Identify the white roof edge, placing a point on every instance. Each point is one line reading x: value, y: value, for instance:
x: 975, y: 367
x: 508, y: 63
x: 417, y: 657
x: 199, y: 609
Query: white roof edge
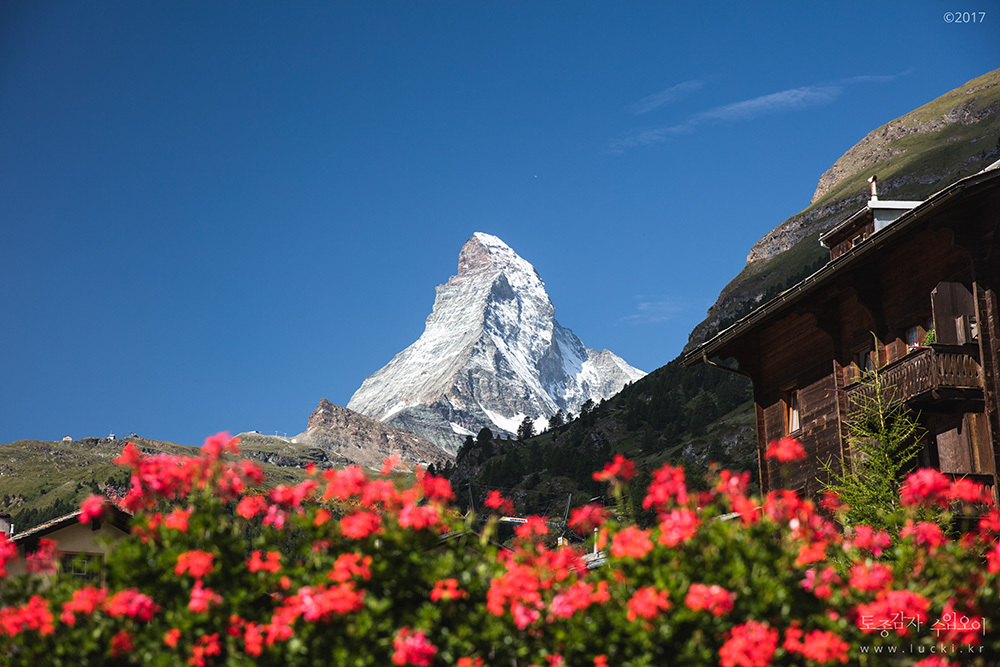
x: 893, y: 203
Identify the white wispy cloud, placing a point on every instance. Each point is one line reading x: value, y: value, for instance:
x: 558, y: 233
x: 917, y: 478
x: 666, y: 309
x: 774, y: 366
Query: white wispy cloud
x: 657, y: 100
x: 652, y: 309
x: 785, y: 100
x: 874, y: 78
x: 793, y: 99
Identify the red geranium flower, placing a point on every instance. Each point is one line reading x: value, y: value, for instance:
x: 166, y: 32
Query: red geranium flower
x: 502, y: 505
x: 715, y: 599
x: 411, y: 647
x: 749, y: 645
x: 816, y: 645
x: 786, y: 449
x: 197, y: 563
x: 678, y: 526
x: 360, y: 524
x: 92, y: 508
x: 619, y: 470
x: 585, y: 519
x: 647, y: 602
x: 632, y: 542
x: 925, y: 487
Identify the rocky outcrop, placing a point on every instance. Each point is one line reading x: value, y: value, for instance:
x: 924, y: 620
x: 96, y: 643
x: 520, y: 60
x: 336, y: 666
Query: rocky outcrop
x: 957, y: 107
x: 913, y: 156
x: 491, y: 354
x: 353, y: 437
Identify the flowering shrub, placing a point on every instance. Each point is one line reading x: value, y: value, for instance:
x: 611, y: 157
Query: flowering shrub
x: 349, y: 569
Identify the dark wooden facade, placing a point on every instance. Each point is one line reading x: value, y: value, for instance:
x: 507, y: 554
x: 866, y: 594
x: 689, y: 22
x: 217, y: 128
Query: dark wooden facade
x: 934, y: 269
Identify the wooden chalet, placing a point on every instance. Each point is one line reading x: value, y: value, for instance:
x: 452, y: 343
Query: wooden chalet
x: 910, y: 286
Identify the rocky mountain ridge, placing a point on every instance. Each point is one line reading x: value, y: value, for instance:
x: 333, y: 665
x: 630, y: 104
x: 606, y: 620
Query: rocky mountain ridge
x: 491, y: 354
x: 355, y: 438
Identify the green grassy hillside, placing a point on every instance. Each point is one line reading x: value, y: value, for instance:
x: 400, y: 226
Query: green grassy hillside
x: 41, y: 480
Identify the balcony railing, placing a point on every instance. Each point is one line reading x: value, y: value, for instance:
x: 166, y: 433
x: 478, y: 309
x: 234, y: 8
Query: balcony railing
x: 935, y: 372
x: 986, y: 479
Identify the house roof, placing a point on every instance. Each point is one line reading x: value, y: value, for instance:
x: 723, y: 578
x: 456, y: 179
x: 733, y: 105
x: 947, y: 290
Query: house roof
x: 116, y: 517
x: 777, y: 306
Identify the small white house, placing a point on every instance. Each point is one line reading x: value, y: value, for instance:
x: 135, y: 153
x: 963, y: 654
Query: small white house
x: 81, y: 546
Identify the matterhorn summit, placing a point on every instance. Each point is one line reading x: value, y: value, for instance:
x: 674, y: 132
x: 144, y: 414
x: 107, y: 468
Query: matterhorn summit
x: 491, y: 354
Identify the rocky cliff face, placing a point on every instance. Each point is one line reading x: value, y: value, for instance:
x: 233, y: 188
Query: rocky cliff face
x: 913, y: 156
x: 358, y: 439
x: 491, y: 354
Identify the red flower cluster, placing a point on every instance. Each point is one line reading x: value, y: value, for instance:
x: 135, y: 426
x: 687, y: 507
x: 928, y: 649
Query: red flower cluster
x: 170, y: 477
x: 925, y: 487
x: 715, y: 599
x: 668, y: 487
x: 85, y: 601
x: 202, y: 598
x: 786, y: 449
x: 870, y: 576
x: 866, y: 537
x: 587, y: 518
x: 197, y: 563
x: 411, y: 647
x: 678, y: 526
x: 8, y: 553
x: 751, y: 644
x: 893, y: 610
x: 647, y: 602
x: 272, y: 563
x: 631, y: 542
x: 34, y: 615
x: 620, y: 470
x: 533, y: 589
x: 817, y: 645
x: 360, y: 525
x: 496, y: 501
x: 205, y: 647
x: 178, y: 519
x: 447, y: 589
x: 43, y: 560
x: 530, y: 573
x: 350, y: 565
x: 92, y: 508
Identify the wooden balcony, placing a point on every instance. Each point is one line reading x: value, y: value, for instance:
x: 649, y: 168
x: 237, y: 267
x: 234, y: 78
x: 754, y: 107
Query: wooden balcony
x: 986, y: 479
x: 928, y: 374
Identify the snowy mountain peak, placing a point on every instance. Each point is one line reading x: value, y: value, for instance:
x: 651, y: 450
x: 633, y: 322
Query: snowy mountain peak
x: 491, y: 354
x: 487, y: 253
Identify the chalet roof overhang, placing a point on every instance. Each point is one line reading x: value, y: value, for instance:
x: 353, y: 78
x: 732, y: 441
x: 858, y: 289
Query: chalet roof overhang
x: 113, y: 515
x: 720, y: 345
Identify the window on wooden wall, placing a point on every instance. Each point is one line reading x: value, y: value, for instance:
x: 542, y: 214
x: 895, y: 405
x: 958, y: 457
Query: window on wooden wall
x: 792, y: 418
x: 82, y: 566
x: 914, y: 337
x: 862, y: 362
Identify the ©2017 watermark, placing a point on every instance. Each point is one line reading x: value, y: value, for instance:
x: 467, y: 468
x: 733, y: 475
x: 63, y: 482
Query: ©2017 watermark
x: 964, y: 17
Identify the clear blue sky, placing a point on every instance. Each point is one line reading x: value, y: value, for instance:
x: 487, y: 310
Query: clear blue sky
x: 213, y: 214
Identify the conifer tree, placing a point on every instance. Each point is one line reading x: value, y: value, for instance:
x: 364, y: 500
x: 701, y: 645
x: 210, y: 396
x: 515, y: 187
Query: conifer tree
x: 526, y: 429
x: 884, y: 437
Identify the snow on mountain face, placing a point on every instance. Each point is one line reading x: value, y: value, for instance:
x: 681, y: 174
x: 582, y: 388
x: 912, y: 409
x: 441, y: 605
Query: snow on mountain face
x: 491, y: 353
